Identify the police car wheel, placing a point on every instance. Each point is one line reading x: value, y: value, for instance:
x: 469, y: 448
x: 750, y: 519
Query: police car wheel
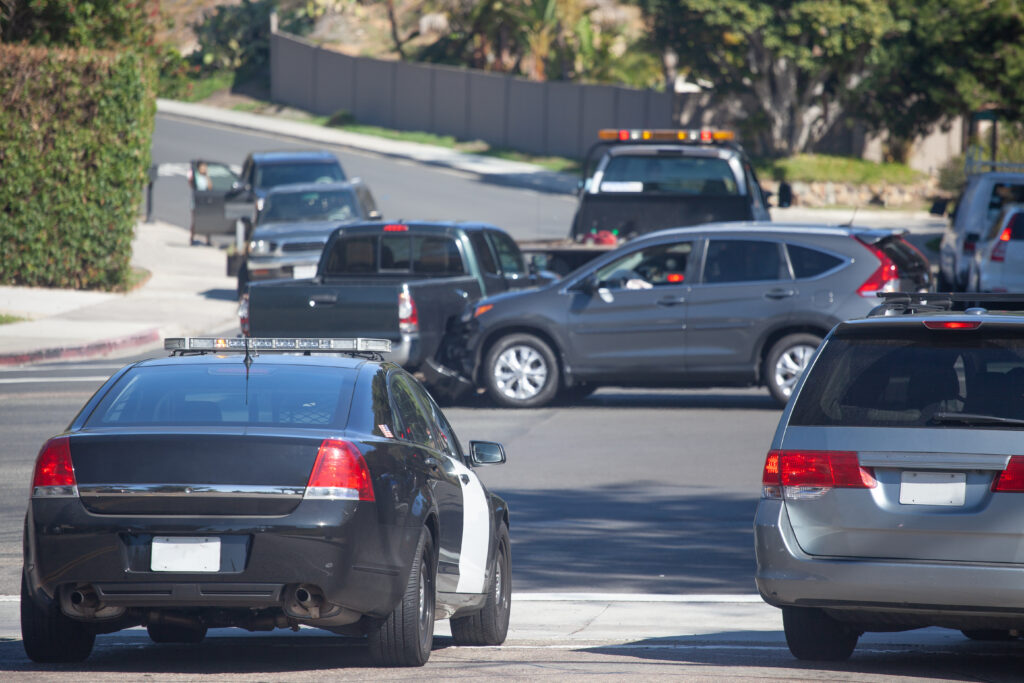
x: 520, y: 371
x: 406, y: 636
x: 489, y: 626
x: 786, y: 361
x: 48, y: 635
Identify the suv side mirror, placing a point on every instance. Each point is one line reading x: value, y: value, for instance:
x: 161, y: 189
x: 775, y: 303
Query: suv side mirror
x: 486, y: 453
x: 589, y: 284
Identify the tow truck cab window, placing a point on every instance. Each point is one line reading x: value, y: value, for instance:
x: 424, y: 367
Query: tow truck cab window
x: 670, y: 174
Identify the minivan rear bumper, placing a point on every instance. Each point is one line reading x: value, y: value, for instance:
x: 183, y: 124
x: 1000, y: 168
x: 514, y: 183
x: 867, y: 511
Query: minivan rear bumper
x: 929, y: 593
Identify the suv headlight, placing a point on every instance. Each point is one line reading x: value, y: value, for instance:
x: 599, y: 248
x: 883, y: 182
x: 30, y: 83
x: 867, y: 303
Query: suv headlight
x: 259, y: 247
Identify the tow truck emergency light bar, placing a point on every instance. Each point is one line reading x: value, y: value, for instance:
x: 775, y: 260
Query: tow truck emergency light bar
x: 666, y: 135
x: 279, y: 344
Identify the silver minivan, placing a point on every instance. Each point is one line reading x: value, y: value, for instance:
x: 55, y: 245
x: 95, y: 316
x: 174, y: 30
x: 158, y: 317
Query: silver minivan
x: 893, y: 491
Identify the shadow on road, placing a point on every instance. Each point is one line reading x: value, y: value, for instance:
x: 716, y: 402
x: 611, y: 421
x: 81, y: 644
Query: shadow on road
x: 221, y: 294
x: 616, y: 397
x: 631, y: 540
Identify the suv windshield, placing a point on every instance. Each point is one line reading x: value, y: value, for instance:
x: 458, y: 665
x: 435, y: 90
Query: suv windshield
x: 310, y: 206
x: 669, y: 175
x: 272, y: 175
x: 910, y: 377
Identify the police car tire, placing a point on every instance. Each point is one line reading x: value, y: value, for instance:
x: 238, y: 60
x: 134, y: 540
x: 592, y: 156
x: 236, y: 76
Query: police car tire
x: 49, y: 636
x: 813, y: 635
x: 489, y: 626
x: 406, y: 636
x: 551, y: 384
x: 175, y: 633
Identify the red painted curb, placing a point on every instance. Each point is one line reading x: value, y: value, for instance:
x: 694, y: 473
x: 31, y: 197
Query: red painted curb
x: 84, y: 351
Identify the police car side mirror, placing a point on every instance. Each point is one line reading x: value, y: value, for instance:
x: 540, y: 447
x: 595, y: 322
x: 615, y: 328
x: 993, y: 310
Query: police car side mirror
x: 486, y: 453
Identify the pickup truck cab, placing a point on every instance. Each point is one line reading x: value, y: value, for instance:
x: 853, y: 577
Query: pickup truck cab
x: 639, y: 181
x: 399, y: 281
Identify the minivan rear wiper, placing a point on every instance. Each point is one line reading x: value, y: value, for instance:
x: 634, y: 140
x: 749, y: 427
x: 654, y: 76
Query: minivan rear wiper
x: 974, y: 419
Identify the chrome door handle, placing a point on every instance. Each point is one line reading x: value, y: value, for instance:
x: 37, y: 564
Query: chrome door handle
x: 323, y: 300
x: 779, y: 293
x: 671, y: 300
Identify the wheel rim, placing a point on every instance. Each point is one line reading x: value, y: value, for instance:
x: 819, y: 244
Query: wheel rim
x: 520, y: 372
x: 791, y: 365
x: 501, y: 596
x: 426, y: 608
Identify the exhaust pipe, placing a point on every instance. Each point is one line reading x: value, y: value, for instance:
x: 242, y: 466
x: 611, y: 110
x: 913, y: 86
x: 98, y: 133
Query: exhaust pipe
x: 84, y: 599
x: 309, y: 599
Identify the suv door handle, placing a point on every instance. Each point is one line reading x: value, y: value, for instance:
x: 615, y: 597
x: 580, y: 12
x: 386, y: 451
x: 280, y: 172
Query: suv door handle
x: 323, y: 300
x: 671, y: 300
x: 779, y: 293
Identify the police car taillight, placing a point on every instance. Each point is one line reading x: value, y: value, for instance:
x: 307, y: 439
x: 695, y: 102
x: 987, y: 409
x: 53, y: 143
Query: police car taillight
x: 54, y: 475
x: 809, y: 474
x: 340, y: 473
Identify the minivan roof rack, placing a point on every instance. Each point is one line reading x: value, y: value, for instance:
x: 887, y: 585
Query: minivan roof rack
x: 939, y: 302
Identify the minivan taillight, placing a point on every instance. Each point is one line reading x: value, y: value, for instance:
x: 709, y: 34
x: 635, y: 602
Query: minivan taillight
x: 408, y: 317
x: 884, y: 278
x: 809, y: 474
x: 340, y: 473
x: 1012, y: 478
x: 999, y: 250
x: 54, y: 475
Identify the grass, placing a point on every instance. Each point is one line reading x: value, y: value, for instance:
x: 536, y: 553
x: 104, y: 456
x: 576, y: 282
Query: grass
x: 206, y: 86
x: 136, y: 278
x: 6, y: 319
x: 824, y: 167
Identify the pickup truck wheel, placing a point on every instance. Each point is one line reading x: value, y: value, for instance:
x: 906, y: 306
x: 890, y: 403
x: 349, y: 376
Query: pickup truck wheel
x: 521, y: 372
x: 786, y: 361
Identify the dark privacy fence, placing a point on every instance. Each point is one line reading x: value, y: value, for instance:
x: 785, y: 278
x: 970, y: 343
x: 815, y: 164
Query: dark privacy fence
x: 540, y: 118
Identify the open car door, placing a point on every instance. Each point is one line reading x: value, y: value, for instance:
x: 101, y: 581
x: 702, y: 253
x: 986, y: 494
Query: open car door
x: 210, y: 182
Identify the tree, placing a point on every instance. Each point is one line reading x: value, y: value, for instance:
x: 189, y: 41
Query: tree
x: 97, y: 23
x: 791, y: 61
x: 950, y: 57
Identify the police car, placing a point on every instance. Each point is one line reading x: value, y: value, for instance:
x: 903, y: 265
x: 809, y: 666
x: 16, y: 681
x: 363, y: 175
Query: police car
x: 238, y: 483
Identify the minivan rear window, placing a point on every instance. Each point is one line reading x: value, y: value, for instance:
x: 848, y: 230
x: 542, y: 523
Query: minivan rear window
x: 915, y: 378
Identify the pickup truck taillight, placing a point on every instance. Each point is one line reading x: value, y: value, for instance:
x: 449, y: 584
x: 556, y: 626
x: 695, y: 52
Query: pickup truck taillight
x: 408, y: 318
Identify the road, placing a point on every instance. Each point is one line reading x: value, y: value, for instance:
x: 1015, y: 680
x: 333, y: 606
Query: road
x: 648, y: 493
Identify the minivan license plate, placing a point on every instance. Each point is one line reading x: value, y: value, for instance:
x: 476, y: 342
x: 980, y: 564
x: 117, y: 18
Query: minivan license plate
x: 933, y: 488
x: 185, y: 554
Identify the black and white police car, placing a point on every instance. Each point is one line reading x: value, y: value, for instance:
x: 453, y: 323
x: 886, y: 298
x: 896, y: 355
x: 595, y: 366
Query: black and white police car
x: 231, y: 484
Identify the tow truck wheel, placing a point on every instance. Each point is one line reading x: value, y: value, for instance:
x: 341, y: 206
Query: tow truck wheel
x: 520, y: 371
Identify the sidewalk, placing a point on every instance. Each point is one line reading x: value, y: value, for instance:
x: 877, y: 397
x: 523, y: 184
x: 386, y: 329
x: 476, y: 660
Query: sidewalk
x: 187, y: 293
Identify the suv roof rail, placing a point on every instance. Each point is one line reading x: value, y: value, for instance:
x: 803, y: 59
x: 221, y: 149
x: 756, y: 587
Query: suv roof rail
x: 974, y: 164
x: 354, y: 346
x: 938, y: 302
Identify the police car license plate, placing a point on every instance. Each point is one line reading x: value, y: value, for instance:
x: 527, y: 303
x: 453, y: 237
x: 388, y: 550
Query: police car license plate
x: 933, y: 488
x: 178, y: 554
x: 302, y: 272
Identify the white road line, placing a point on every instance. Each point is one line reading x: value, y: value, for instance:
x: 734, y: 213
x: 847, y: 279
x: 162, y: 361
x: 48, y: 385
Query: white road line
x: 61, y: 368
x: 633, y: 597
x: 52, y: 380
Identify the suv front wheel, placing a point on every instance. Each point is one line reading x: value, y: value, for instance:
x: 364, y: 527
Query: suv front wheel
x: 520, y: 371
x: 786, y: 361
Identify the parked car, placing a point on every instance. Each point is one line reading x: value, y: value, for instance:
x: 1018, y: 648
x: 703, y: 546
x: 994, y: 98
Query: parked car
x: 716, y: 305
x: 978, y: 207
x: 647, y: 180
x: 233, y: 486
x: 893, y: 487
x: 399, y: 281
x: 998, y: 263
x: 229, y: 196
x: 292, y: 228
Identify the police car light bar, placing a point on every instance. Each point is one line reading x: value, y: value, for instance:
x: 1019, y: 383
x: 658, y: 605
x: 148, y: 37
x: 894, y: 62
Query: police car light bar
x: 279, y: 344
x: 665, y: 135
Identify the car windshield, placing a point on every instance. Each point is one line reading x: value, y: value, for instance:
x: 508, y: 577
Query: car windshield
x: 282, y: 395
x: 916, y: 378
x: 310, y: 206
x: 669, y: 175
x: 272, y: 175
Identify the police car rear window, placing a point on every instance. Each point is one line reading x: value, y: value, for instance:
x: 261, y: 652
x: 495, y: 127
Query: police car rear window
x: 177, y: 395
x: 669, y: 175
x: 916, y: 378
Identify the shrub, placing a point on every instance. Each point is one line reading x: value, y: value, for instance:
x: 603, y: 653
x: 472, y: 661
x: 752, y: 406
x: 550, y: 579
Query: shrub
x: 75, y: 129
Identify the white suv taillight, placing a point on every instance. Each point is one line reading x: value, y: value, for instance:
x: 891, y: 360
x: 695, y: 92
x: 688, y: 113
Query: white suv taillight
x: 408, y: 317
x: 54, y: 475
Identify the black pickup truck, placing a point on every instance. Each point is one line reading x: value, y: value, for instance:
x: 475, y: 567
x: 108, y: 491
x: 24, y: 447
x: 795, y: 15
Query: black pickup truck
x: 399, y: 281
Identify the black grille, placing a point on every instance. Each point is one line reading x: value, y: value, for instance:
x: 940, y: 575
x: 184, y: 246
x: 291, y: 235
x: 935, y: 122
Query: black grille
x: 302, y: 246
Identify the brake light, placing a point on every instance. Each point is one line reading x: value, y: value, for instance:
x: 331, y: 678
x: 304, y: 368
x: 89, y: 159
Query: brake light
x: 952, y: 324
x: 408, y: 317
x: 623, y: 135
x: 674, y: 278
x: 999, y: 250
x: 340, y: 473
x: 809, y: 474
x: 54, y: 474
x: 1011, y: 480
x: 706, y: 135
x: 884, y: 278
x: 396, y: 227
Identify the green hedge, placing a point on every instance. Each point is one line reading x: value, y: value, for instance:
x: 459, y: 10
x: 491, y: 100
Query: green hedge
x: 75, y: 130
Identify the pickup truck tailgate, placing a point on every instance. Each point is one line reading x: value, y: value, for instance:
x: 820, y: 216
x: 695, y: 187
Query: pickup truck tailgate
x: 305, y: 309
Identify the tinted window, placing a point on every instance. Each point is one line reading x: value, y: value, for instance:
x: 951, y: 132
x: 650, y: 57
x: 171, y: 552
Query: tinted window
x: 669, y: 175
x: 483, y: 253
x: 913, y: 378
x: 310, y: 206
x: 413, y: 424
x: 509, y: 256
x: 809, y: 262
x: 272, y: 175
x: 436, y: 255
x: 742, y: 261
x: 353, y: 256
x: 657, y: 266
x: 227, y: 394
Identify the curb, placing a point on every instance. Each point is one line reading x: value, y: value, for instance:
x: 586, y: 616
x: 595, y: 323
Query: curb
x: 83, y: 351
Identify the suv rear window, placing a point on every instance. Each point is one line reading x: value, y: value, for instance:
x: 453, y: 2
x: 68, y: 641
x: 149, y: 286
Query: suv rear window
x: 913, y: 377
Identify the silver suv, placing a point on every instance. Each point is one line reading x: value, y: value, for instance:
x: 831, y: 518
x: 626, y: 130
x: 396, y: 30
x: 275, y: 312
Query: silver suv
x: 893, y: 489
